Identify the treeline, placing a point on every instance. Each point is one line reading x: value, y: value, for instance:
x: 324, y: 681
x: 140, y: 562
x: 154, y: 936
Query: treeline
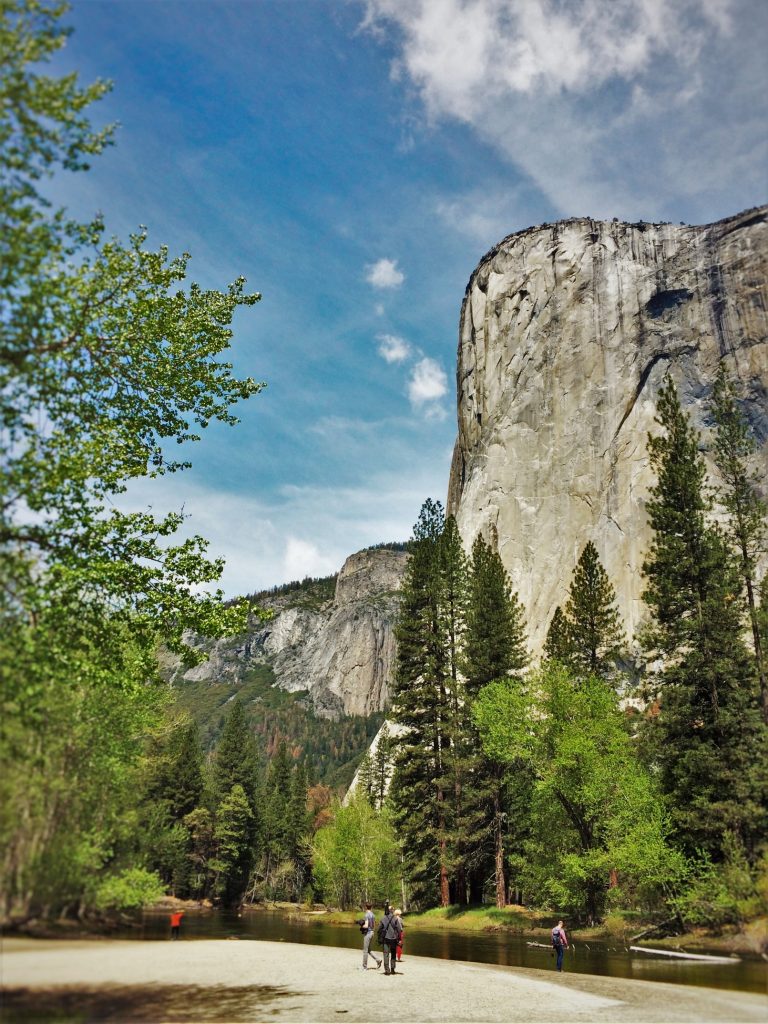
x: 539, y: 783
x: 226, y: 828
x: 315, y: 588
x: 330, y: 748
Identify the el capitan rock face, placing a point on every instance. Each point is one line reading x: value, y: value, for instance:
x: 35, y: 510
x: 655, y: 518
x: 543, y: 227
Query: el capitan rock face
x: 566, y: 333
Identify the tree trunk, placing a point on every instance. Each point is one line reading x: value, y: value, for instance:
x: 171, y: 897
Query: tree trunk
x: 501, y: 885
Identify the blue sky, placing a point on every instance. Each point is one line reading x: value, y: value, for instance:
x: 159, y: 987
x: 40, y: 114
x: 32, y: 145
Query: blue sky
x: 354, y: 160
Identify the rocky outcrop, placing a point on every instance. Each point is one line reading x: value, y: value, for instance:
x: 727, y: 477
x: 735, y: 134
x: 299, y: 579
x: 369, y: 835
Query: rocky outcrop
x: 340, y: 650
x: 566, y: 332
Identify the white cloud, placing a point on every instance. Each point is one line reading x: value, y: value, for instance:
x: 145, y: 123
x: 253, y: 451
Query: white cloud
x: 379, y: 309
x: 384, y: 274
x: 426, y: 386
x: 392, y: 348
x: 302, y: 558
x: 610, y: 107
x: 461, y: 51
x: 307, y: 530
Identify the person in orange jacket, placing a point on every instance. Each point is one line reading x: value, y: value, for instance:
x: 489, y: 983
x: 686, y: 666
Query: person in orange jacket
x: 176, y: 917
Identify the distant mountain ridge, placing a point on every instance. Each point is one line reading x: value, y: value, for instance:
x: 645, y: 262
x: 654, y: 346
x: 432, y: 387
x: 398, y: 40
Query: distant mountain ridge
x: 332, y: 638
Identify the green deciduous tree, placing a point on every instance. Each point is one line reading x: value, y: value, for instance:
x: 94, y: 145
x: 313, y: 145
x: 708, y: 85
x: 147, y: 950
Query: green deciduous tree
x: 108, y: 364
x: 356, y: 856
x: 708, y: 737
x: 597, y: 828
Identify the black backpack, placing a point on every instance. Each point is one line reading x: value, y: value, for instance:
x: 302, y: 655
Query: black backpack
x: 557, y: 937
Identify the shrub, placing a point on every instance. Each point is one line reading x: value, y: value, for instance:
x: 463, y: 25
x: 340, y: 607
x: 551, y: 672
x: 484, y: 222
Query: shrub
x: 130, y: 890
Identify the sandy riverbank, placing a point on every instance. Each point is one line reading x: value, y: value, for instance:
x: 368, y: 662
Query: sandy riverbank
x: 238, y: 981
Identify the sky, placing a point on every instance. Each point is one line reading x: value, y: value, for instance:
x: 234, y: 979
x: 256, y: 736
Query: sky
x: 354, y: 161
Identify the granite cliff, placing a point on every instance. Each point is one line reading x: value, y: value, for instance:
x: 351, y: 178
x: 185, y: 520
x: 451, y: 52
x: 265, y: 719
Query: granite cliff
x: 338, y: 646
x: 566, y: 332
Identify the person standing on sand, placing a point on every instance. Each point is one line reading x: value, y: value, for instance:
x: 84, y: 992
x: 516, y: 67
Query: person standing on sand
x: 389, y: 934
x: 559, y: 943
x: 399, y: 916
x: 366, y: 926
x: 176, y: 917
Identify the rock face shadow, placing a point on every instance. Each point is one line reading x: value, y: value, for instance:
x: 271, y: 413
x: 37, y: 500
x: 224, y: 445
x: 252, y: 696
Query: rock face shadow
x: 142, y: 1004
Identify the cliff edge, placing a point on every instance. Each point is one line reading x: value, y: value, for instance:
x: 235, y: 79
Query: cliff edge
x: 566, y: 332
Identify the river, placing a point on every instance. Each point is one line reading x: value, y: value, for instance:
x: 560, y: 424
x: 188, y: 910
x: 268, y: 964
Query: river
x: 602, y: 958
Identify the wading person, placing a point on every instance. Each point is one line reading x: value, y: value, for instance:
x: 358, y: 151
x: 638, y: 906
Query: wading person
x: 559, y: 943
x: 176, y: 923
x: 366, y: 927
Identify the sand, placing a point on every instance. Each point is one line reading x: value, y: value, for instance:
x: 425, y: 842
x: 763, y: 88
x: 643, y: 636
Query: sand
x: 245, y: 981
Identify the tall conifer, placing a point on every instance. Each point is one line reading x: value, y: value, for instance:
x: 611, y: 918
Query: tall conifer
x: 709, y: 739
x: 236, y: 760
x: 593, y: 632
x: 734, y: 447
x: 556, y: 643
x: 420, y: 703
x: 494, y: 649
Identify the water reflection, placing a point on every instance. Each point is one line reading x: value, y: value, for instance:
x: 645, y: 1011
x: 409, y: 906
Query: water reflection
x: 480, y: 947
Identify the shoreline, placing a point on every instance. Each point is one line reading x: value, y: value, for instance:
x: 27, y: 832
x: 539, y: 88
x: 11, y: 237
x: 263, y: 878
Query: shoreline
x: 222, y: 980
x: 526, y: 924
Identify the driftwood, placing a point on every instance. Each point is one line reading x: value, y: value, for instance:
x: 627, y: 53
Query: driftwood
x: 653, y: 928
x: 686, y: 956
x: 540, y: 945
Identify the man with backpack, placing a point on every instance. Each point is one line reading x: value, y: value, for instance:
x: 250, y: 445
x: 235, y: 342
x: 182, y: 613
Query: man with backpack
x: 559, y: 943
x: 390, y: 929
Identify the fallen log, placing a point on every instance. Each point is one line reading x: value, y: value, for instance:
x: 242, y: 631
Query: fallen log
x: 686, y: 956
x: 540, y: 945
x: 653, y: 928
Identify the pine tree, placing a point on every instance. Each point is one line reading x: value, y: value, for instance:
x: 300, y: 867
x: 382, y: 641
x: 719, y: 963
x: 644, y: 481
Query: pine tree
x: 381, y: 768
x: 460, y: 748
x: 593, y: 631
x: 234, y: 849
x: 279, y: 779
x: 420, y: 703
x: 366, y: 779
x: 494, y: 649
x: 298, y: 830
x: 495, y: 634
x: 237, y: 760
x: 734, y: 447
x: 187, y: 759
x: 708, y: 737
x: 556, y: 644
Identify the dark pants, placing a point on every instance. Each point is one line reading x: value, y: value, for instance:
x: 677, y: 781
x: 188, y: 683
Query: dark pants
x: 174, y: 931
x: 390, y: 954
x: 559, y: 949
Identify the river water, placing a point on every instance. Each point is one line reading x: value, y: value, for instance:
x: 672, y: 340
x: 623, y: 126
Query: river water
x: 602, y: 958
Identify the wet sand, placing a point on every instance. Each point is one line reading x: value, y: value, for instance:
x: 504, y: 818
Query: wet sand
x: 240, y: 981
